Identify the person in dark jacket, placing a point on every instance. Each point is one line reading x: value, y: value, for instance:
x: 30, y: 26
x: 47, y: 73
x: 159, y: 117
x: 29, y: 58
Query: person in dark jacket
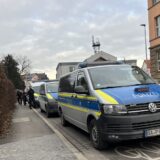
x: 31, y: 98
x: 19, y: 97
x: 24, y: 98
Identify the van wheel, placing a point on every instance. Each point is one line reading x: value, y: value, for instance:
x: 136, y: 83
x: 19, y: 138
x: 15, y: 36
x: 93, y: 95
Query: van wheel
x: 41, y: 110
x: 96, y: 136
x: 63, y: 121
x: 47, y: 112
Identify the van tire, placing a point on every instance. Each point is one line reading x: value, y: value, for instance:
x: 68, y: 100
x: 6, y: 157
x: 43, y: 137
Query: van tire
x: 48, y: 113
x: 95, y: 136
x: 41, y: 110
x: 63, y: 121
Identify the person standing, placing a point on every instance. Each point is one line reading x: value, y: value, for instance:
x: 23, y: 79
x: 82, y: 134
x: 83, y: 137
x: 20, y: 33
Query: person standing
x: 24, y: 98
x: 31, y: 98
x: 19, y: 97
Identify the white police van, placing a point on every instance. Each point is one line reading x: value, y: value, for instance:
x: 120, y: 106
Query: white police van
x: 111, y: 101
x: 48, y: 97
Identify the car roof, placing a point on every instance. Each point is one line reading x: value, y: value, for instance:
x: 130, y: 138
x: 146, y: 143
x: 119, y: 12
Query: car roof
x: 34, y: 84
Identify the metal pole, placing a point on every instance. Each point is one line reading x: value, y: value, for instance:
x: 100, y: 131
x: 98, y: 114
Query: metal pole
x: 145, y: 39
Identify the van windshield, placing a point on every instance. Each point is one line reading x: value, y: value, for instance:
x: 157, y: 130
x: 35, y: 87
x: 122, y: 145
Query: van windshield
x: 52, y: 87
x: 118, y: 76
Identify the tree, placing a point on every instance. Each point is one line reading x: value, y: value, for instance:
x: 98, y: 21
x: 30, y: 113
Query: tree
x: 24, y: 65
x: 12, y: 71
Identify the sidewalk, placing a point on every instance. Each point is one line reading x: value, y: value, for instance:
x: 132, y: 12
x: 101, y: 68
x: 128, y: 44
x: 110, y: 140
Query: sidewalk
x: 31, y: 139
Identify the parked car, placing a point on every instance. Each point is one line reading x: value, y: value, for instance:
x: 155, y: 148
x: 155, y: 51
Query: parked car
x: 48, y: 97
x: 111, y: 101
x: 36, y: 87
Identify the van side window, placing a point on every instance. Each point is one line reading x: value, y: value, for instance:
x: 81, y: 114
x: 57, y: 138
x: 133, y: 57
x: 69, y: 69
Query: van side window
x: 67, y: 83
x: 81, y: 81
x: 42, y: 89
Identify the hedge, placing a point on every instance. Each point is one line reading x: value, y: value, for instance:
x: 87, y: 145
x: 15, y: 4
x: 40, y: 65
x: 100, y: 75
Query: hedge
x: 7, y: 102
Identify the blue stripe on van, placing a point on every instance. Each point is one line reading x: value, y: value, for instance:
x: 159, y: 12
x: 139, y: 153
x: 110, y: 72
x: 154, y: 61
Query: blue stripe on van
x: 93, y: 105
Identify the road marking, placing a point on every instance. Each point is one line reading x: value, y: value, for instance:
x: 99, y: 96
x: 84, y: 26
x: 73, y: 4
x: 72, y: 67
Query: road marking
x: 74, y: 150
x: 140, y: 152
x: 19, y: 120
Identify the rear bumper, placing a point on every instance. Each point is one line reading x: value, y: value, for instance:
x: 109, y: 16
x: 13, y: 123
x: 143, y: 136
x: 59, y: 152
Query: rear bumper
x: 117, y: 128
x: 53, y: 107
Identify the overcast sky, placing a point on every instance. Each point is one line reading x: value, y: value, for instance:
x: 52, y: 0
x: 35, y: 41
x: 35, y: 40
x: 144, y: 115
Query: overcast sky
x: 53, y: 31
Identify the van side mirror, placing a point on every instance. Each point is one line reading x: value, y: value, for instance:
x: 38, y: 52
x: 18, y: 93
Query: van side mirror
x: 81, y: 90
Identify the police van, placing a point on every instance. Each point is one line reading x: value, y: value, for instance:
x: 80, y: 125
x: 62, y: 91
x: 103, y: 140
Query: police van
x: 111, y: 101
x: 48, y: 97
x: 36, y: 86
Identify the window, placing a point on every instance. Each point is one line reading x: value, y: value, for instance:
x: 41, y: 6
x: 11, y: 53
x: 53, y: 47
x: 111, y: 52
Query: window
x: 52, y: 87
x: 158, y: 59
x: 158, y: 26
x: 155, y: 1
x: 111, y: 76
x: 67, y: 83
x: 42, y: 89
x: 81, y: 81
x: 71, y: 68
x: 36, y: 89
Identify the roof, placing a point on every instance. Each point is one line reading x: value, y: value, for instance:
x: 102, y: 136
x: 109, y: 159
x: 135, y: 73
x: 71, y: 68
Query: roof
x: 33, y: 84
x: 41, y: 76
x: 84, y: 64
x: 66, y: 63
x: 101, y: 55
x: 54, y: 80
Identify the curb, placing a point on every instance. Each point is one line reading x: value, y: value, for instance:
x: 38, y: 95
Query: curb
x: 74, y: 150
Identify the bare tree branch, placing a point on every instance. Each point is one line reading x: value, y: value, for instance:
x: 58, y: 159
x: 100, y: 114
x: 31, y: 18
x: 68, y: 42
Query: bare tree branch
x: 24, y: 65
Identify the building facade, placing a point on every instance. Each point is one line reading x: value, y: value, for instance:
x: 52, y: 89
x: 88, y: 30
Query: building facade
x: 65, y: 67
x: 147, y: 66
x: 154, y: 33
x: 33, y: 77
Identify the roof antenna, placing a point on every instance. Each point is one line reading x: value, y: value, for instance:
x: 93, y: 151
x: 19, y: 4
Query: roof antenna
x: 96, y: 45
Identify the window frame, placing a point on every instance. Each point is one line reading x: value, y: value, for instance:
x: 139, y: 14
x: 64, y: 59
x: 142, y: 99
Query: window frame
x: 61, y: 88
x: 158, y: 59
x: 154, y: 2
x: 42, y: 88
x: 78, y: 73
x: 157, y: 26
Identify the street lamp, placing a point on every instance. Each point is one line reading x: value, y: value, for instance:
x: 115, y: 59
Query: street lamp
x: 145, y: 39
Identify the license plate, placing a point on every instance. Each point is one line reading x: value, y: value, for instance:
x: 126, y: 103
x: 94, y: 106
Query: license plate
x: 152, y: 132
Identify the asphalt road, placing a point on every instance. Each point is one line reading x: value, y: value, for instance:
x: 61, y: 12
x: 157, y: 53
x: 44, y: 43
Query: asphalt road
x: 148, y: 149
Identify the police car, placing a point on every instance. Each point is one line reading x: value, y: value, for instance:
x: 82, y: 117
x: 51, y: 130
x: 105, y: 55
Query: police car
x: 111, y: 101
x: 48, y: 97
x: 36, y: 86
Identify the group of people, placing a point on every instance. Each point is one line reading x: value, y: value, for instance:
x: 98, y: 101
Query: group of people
x: 24, y: 97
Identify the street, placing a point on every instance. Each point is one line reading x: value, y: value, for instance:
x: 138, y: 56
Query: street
x: 80, y: 80
x: 148, y: 149
x: 32, y: 136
